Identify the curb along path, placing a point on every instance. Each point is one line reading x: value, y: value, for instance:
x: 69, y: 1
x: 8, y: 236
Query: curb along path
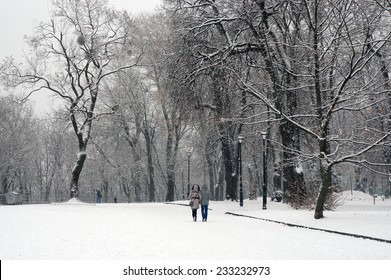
x: 312, y: 228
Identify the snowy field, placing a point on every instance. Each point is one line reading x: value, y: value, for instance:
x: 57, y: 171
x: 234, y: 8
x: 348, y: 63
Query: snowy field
x: 159, y: 231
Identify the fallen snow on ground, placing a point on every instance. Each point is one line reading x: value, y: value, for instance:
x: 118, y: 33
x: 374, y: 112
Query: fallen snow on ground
x: 159, y: 231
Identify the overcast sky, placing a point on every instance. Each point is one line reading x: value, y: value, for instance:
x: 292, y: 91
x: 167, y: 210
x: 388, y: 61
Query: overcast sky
x: 17, y: 17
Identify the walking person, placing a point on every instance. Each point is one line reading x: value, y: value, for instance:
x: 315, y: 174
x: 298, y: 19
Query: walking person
x: 195, y: 197
x: 98, y: 196
x: 204, y: 203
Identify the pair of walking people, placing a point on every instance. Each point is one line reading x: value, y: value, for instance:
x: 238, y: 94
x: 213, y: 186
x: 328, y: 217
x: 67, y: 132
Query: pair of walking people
x: 199, y: 197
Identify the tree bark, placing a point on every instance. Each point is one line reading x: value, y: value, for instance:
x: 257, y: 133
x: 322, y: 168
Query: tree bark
x: 76, y: 171
x: 210, y: 171
x: 324, y: 190
x: 172, y: 119
x: 294, y: 186
x: 148, y: 135
x: 222, y: 105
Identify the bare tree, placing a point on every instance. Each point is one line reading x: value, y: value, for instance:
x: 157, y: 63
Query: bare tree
x: 311, y: 64
x: 17, y: 145
x: 84, y: 43
x: 335, y: 80
x: 160, y: 82
x: 386, y: 81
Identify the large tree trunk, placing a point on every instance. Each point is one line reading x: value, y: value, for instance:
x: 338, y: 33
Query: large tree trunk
x: 48, y: 186
x: 324, y: 190
x: 222, y: 105
x: 210, y: 171
x: 386, y: 122
x: 171, y: 151
x: 125, y: 187
x: 231, y: 178
x: 133, y: 141
x: 136, y: 174
x: 293, y: 184
x: 148, y: 133
x: 325, y: 172
x: 105, y: 189
x: 284, y: 101
x: 76, y: 171
x: 219, y: 192
x: 83, y: 135
x: 170, y: 196
x: 151, y: 169
x: 170, y: 163
x: 252, y: 182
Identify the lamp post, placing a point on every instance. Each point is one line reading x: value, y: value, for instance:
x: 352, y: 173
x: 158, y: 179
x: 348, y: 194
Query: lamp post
x: 188, y: 171
x: 240, y: 139
x: 183, y: 185
x: 264, y: 185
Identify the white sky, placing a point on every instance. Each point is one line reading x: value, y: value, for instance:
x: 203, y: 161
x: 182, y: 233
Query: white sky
x: 17, y: 17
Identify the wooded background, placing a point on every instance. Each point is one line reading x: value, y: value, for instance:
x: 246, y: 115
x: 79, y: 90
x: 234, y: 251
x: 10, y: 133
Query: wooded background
x: 142, y: 97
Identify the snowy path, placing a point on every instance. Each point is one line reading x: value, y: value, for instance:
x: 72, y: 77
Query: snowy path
x: 166, y: 232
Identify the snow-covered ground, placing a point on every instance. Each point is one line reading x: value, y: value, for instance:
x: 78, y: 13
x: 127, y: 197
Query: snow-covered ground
x: 159, y: 231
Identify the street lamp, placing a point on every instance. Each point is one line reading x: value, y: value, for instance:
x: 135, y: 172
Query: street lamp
x: 240, y: 139
x: 188, y: 171
x: 264, y: 186
x: 183, y: 185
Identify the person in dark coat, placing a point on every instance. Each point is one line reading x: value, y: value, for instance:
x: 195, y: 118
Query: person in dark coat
x: 98, y: 196
x: 195, y: 196
x: 204, y: 203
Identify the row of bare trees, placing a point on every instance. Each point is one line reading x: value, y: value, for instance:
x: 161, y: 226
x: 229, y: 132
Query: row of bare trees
x: 138, y: 93
x: 108, y: 69
x: 314, y: 74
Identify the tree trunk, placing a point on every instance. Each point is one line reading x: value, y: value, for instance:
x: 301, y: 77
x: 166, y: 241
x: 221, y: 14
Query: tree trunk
x: 323, y: 122
x: 171, y: 155
x: 222, y: 104
x: 170, y: 196
x: 151, y: 171
x: 125, y: 187
x: 5, y: 182
x: 284, y: 101
x: 252, y: 183
x: 324, y: 190
x: 210, y: 172
x: 219, y: 192
x: 136, y: 174
x: 76, y: 171
x: 386, y: 122
x: 293, y: 184
x: 105, y: 189
x: 231, y: 177
x: 170, y: 160
x: 48, y: 187
x: 148, y: 133
x: 276, y: 155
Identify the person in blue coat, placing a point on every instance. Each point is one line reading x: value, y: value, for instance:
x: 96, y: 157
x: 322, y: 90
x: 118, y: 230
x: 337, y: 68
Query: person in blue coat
x: 98, y: 196
x: 204, y: 203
